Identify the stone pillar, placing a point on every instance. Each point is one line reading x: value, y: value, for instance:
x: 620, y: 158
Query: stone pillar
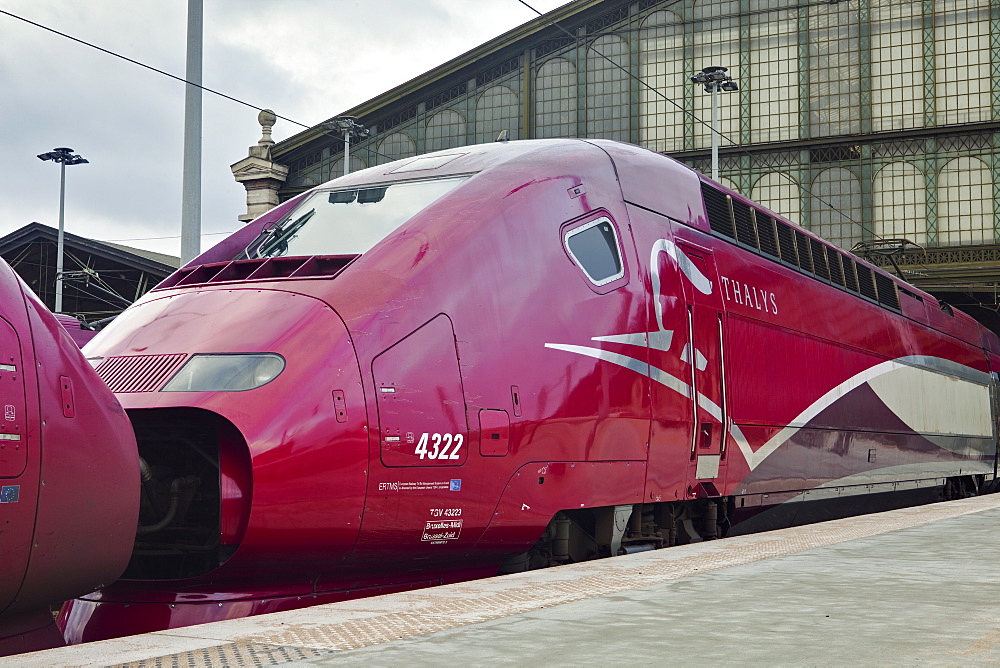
x: 258, y: 174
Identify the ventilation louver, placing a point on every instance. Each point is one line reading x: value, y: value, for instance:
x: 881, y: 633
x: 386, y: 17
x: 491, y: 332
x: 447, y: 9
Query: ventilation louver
x: 786, y: 239
x: 717, y: 207
x: 745, y: 232
x: 317, y: 266
x: 805, y: 259
x: 850, y: 278
x: 866, y: 281
x: 765, y: 234
x: 836, y: 268
x: 138, y: 373
x: 886, y: 288
x: 819, y: 259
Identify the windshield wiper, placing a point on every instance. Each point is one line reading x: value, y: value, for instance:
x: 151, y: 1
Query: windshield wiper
x: 276, y: 238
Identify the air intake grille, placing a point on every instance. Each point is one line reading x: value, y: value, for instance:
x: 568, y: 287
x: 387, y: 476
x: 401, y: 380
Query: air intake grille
x: 802, y: 241
x: 717, y: 208
x: 138, y: 373
x: 786, y: 237
x: 850, y: 278
x: 866, y: 281
x: 269, y: 269
x: 886, y: 291
x: 765, y: 233
x: 836, y: 270
x: 819, y: 259
x: 745, y: 232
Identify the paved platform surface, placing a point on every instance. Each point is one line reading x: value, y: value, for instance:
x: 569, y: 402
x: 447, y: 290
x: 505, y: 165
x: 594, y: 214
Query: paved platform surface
x: 913, y: 586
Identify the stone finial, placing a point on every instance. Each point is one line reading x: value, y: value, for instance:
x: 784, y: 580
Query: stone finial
x: 258, y: 173
x: 267, y: 119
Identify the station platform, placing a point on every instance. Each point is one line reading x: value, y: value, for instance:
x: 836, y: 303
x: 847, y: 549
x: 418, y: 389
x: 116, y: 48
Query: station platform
x: 913, y: 586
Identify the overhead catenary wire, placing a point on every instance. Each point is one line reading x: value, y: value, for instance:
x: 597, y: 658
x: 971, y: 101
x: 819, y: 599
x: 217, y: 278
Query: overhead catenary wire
x: 142, y: 64
x: 326, y: 130
x: 573, y: 36
x: 118, y: 277
x: 693, y: 116
x: 22, y: 260
x: 168, y: 74
x: 174, y: 236
x: 781, y: 174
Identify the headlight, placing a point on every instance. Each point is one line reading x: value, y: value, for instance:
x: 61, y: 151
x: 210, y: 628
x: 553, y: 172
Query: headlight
x: 226, y: 373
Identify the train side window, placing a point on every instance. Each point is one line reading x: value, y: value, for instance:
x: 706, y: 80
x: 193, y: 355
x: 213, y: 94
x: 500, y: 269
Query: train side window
x: 594, y: 248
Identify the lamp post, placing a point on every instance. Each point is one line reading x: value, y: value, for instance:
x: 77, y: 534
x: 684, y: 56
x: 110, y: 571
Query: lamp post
x: 64, y: 156
x: 715, y: 79
x: 351, y: 128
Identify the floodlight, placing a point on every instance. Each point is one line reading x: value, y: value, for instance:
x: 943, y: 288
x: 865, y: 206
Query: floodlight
x: 64, y: 156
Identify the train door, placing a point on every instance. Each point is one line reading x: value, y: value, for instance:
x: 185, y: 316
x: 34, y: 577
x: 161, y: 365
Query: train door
x: 13, y: 450
x: 994, y: 363
x: 419, y: 497
x: 704, y: 356
x: 18, y: 483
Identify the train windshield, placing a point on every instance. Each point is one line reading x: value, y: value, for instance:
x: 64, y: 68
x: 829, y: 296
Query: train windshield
x: 348, y: 222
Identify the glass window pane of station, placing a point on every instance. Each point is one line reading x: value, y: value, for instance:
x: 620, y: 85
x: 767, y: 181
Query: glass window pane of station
x: 962, y: 61
x: 897, y: 65
x: 396, y: 146
x: 780, y: 193
x: 607, y: 88
x: 661, y: 69
x: 900, y: 192
x: 555, y: 99
x: 445, y: 129
x: 834, y: 70
x: 835, y: 207
x: 497, y: 109
x: 717, y: 44
x: 965, y: 211
x: 774, y: 65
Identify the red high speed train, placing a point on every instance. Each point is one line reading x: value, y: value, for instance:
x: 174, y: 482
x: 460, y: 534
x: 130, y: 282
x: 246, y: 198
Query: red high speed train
x: 69, y: 476
x: 514, y: 355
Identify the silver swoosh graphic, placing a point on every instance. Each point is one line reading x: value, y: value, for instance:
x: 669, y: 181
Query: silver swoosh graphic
x: 687, y: 267
x: 800, y: 421
x: 665, y: 379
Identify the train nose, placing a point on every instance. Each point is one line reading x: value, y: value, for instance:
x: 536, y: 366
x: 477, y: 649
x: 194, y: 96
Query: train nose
x: 244, y: 402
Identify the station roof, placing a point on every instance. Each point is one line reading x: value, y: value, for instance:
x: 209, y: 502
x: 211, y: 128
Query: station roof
x: 100, y: 278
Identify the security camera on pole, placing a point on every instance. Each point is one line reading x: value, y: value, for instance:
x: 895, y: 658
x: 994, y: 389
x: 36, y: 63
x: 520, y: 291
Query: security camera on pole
x: 714, y: 79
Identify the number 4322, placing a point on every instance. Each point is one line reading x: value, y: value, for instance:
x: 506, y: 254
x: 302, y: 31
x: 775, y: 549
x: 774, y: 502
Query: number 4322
x: 439, y: 446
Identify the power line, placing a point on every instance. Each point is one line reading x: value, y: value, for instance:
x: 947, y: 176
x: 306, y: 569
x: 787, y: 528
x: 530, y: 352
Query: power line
x: 115, y: 54
x: 141, y: 64
x: 629, y: 74
x: 745, y: 152
x: 378, y: 153
x: 175, y: 236
x: 109, y: 270
x: 694, y: 117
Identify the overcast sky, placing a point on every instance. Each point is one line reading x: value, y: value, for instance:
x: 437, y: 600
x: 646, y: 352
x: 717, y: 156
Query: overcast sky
x: 306, y: 60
